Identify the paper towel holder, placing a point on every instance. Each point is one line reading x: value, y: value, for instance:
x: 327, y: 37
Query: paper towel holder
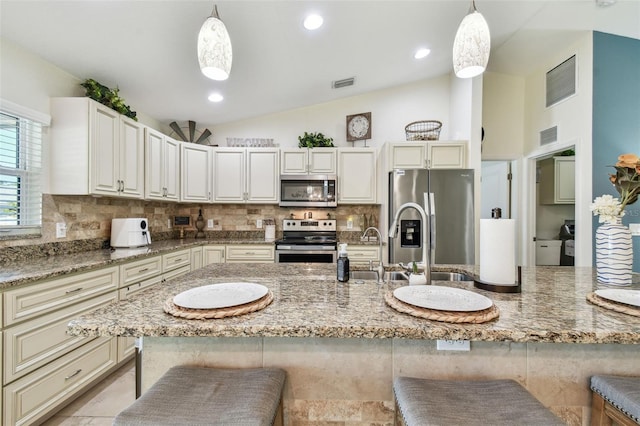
x: 501, y: 288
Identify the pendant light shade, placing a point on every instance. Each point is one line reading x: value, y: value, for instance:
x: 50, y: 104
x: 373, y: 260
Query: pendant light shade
x: 214, y: 48
x: 472, y: 45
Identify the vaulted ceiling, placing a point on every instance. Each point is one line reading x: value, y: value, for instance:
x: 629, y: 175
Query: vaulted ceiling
x: 148, y: 48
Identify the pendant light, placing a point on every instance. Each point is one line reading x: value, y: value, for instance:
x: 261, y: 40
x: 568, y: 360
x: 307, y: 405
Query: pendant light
x: 472, y: 45
x: 214, y: 48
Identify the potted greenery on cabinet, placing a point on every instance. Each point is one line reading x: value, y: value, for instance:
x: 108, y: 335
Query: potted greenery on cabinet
x: 312, y: 140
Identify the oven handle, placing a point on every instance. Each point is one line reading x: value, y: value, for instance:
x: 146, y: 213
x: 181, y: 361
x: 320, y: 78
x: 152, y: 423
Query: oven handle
x: 307, y: 248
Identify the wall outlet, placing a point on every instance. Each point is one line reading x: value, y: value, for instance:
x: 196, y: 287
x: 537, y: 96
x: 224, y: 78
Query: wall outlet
x: 258, y: 223
x: 61, y: 230
x: 635, y: 229
x: 210, y: 223
x: 349, y: 223
x: 169, y: 223
x: 453, y: 345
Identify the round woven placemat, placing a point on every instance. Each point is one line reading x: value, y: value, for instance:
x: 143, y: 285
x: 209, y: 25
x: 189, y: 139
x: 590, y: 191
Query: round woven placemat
x: 614, y: 306
x: 232, y: 311
x: 475, y: 317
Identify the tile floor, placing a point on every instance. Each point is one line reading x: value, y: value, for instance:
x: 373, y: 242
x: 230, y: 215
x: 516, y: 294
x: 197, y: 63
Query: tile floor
x: 100, y: 404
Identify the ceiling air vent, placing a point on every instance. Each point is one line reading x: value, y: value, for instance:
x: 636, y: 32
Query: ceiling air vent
x: 343, y: 83
x: 561, y: 82
x: 549, y: 135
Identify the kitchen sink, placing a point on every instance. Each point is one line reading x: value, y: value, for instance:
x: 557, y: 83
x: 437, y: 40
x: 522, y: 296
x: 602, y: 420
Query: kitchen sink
x: 403, y: 276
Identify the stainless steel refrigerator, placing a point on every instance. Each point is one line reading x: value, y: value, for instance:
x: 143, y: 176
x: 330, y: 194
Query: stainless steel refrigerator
x: 452, y: 218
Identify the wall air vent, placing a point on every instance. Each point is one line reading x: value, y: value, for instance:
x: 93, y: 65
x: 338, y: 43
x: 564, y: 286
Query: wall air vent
x: 549, y: 135
x: 561, y: 82
x: 343, y: 83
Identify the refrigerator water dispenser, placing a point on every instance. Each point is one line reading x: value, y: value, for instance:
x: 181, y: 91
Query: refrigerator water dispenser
x: 410, y: 236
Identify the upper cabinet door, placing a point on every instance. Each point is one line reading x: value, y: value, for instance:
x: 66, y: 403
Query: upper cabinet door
x: 357, y: 175
x: 262, y: 178
x: 408, y: 155
x: 104, y: 150
x: 447, y: 155
x: 131, y: 158
x: 322, y: 161
x: 154, y: 165
x: 229, y: 175
x: 294, y: 161
x: 171, y: 162
x: 196, y: 162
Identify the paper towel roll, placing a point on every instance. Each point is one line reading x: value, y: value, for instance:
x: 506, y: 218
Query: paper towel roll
x: 497, y: 251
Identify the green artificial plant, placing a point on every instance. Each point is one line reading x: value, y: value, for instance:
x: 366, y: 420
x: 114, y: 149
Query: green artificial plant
x: 108, y: 97
x: 312, y: 140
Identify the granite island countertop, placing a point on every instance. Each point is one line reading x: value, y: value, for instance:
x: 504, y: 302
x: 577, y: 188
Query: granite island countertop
x: 309, y: 302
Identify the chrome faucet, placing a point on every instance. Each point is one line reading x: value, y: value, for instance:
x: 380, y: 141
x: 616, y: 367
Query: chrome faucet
x: 380, y: 269
x: 426, y: 247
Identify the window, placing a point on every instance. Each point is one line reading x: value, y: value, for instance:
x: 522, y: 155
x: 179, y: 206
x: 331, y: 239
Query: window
x: 20, y: 175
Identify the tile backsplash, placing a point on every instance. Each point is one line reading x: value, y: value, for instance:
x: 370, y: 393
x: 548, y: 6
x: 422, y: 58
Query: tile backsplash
x: 89, y: 218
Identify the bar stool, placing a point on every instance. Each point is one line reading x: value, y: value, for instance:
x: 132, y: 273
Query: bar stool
x: 208, y: 396
x: 615, y: 399
x: 467, y: 402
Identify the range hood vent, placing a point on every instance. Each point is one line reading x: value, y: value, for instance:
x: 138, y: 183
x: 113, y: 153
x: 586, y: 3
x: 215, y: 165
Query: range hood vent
x: 549, y: 135
x: 337, y: 84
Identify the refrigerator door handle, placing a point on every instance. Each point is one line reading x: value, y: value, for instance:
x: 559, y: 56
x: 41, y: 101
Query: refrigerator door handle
x: 432, y: 223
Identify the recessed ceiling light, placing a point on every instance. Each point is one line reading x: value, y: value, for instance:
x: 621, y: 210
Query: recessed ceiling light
x: 421, y: 53
x: 313, y: 22
x: 215, y: 97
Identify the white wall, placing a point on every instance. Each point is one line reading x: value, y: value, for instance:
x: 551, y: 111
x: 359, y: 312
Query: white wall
x: 391, y: 110
x: 573, y: 118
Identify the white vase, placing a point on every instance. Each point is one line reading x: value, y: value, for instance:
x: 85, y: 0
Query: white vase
x: 614, y: 254
x: 417, y: 279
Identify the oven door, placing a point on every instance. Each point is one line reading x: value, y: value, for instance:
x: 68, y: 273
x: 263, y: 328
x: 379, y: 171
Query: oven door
x: 305, y: 256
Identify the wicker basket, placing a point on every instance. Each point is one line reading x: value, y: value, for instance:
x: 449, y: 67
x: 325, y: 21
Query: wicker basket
x: 427, y: 130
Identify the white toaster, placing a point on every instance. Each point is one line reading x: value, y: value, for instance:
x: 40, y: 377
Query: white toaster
x: 130, y: 232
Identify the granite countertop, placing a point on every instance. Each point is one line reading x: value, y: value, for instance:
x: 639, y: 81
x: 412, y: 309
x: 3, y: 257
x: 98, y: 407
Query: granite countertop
x: 309, y: 302
x: 26, y: 271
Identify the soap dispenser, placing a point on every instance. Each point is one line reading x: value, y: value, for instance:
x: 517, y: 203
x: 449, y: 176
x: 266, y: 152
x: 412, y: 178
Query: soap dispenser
x: 343, y: 263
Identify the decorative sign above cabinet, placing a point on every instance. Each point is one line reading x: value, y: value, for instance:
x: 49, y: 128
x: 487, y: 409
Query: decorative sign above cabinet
x: 359, y: 126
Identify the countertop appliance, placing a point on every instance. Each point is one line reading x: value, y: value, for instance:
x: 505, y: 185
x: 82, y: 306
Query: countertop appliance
x: 307, y: 240
x: 130, y: 232
x: 450, y: 194
x: 567, y: 250
x: 308, y: 191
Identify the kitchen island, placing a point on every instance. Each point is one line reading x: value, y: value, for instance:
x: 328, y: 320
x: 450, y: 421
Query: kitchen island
x: 341, y: 345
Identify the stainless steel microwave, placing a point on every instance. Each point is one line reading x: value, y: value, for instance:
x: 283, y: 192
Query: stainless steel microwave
x: 308, y: 191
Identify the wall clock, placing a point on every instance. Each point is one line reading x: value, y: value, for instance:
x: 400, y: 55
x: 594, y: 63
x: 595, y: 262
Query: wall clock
x: 359, y: 126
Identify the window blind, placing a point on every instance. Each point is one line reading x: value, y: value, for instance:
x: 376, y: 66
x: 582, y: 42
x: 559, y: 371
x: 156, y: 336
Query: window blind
x: 20, y: 175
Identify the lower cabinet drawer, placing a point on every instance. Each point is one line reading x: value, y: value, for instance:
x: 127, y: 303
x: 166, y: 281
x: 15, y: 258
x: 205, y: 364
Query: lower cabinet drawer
x: 34, y: 343
x: 34, y: 396
x: 175, y: 260
x: 363, y: 254
x: 176, y: 272
x: 251, y: 253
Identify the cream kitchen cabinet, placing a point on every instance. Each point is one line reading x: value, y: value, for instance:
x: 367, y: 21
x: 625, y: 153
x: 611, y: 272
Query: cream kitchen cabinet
x: 357, y: 175
x: 31, y: 398
x: 213, y: 254
x: 256, y: 253
x: 246, y: 175
x: 302, y: 161
x: 162, y: 167
x: 431, y: 155
x: 361, y: 253
x: 176, y: 263
x: 95, y: 150
x: 197, y: 172
x: 44, y: 367
x: 196, y: 258
x: 557, y: 180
